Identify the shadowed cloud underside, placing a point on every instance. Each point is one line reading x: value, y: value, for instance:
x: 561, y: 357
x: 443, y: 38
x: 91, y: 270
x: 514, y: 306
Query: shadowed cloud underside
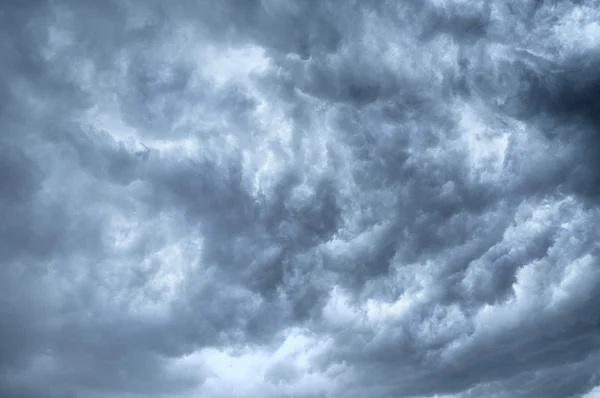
x: 296, y: 198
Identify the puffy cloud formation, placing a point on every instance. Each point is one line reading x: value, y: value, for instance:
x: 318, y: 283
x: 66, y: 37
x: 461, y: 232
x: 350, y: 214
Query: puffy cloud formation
x: 297, y: 198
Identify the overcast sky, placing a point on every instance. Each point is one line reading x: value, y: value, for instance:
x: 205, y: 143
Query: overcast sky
x: 299, y: 199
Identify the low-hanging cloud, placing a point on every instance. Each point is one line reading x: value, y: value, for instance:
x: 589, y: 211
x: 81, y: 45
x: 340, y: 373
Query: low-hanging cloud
x: 299, y: 199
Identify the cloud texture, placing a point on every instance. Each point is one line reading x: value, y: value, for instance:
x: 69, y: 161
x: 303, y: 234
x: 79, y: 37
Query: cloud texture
x: 296, y: 198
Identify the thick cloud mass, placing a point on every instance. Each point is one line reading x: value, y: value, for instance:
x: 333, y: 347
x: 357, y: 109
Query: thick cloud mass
x: 296, y: 198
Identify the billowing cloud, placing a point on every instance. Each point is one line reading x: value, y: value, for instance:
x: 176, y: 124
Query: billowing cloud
x: 300, y: 199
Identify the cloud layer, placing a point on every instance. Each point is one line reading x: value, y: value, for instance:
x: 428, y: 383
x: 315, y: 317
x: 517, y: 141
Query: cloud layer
x: 277, y: 198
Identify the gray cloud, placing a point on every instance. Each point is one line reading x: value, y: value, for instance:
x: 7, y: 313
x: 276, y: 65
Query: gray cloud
x: 299, y: 199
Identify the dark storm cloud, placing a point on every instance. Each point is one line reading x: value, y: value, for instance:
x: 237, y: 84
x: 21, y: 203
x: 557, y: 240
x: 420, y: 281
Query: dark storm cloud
x: 297, y: 198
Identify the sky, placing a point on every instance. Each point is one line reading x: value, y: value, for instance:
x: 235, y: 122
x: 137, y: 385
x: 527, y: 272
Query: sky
x: 300, y: 199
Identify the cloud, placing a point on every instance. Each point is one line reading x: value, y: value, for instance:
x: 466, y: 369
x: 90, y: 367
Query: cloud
x: 296, y: 198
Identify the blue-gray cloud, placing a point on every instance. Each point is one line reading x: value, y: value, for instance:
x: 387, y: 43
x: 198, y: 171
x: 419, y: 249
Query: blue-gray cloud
x: 298, y: 198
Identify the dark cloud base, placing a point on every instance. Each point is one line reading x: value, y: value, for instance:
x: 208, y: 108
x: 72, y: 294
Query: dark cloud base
x: 300, y: 199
